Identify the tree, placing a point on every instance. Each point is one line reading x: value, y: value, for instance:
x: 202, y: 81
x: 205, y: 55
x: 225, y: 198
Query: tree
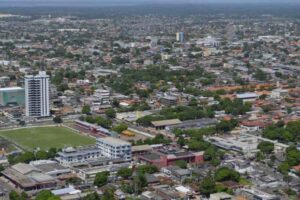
x: 139, y: 182
x: 86, y: 109
x: 41, y: 155
x: 266, y: 147
x: 226, y: 126
x: 115, y: 102
x: 1, y: 168
x: 92, y: 196
x: 260, y: 75
x: 292, y: 156
x: 181, y: 141
x: 227, y: 174
x: 213, y: 155
x: 46, y: 195
x: 105, y: 123
x: 108, y: 194
x: 120, y: 128
x: 57, y: 119
x: 25, y: 158
x: 52, y: 152
x: 110, y: 113
x: 208, y: 186
x: 74, y: 181
x: 24, y: 196
x: 13, y: 195
x: 181, y: 163
x: 125, y: 172
x: 284, y: 168
x: 101, y: 178
x: 149, y: 169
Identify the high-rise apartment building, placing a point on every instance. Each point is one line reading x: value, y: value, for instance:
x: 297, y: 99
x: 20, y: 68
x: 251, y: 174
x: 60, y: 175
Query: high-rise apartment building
x: 180, y: 37
x: 37, y: 95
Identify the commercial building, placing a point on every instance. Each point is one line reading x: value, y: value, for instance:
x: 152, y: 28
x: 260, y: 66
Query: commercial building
x: 242, y: 143
x: 97, y: 130
x: 12, y: 96
x: 29, y: 178
x: 71, y: 156
x: 246, y: 97
x: 162, y: 124
x: 190, y: 124
x: 103, y: 96
x: 51, y: 168
x: 168, y: 155
x: 88, y: 174
x: 114, y: 148
x: 37, y: 95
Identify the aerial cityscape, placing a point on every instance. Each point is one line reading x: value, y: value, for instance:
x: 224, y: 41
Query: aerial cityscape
x: 149, y: 100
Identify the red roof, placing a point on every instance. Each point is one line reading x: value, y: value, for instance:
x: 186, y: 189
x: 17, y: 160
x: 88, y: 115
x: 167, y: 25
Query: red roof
x: 296, y: 168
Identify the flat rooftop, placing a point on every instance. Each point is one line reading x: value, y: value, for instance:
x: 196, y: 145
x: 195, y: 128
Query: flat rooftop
x: 113, y: 141
x: 166, y: 122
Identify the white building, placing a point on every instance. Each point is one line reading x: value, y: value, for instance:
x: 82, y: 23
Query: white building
x: 37, y: 95
x: 70, y: 156
x: 114, y: 148
x: 180, y: 37
x: 103, y: 96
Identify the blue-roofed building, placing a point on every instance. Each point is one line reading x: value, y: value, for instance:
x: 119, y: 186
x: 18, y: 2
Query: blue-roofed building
x: 249, y: 96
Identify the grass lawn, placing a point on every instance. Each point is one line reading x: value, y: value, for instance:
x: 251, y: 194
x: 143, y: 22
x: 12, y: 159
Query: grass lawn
x: 46, y: 137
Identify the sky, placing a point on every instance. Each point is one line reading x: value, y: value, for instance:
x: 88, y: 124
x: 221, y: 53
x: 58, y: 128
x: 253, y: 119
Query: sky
x: 130, y: 2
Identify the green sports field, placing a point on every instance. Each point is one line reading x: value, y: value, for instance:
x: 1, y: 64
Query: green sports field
x: 46, y: 137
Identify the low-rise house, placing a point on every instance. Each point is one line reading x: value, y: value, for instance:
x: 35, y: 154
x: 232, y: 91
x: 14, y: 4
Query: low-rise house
x: 254, y: 193
x: 220, y: 196
x: 176, y: 172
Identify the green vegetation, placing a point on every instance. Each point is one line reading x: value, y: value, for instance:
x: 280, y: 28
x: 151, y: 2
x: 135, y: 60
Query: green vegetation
x: 28, y: 156
x: 290, y: 133
x: 110, y: 113
x: 46, y: 195
x: 101, y: 178
x: 157, y: 76
x: 92, y: 196
x: 266, y: 147
x: 234, y: 107
x: 57, y: 119
x: 46, y: 137
x: 181, y: 163
x: 120, y: 128
x: 260, y: 75
x: 292, y: 159
x: 180, y: 112
x: 226, y: 174
x: 125, y: 172
x: 209, y: 185
x: 86, y: 109
x: 13, y: 195
x: 226, y: 126
x: 149, y: 169
x: 101, y: 121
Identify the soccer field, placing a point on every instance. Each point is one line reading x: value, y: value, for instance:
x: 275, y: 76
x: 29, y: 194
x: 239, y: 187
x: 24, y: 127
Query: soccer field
x: 46, y: 137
